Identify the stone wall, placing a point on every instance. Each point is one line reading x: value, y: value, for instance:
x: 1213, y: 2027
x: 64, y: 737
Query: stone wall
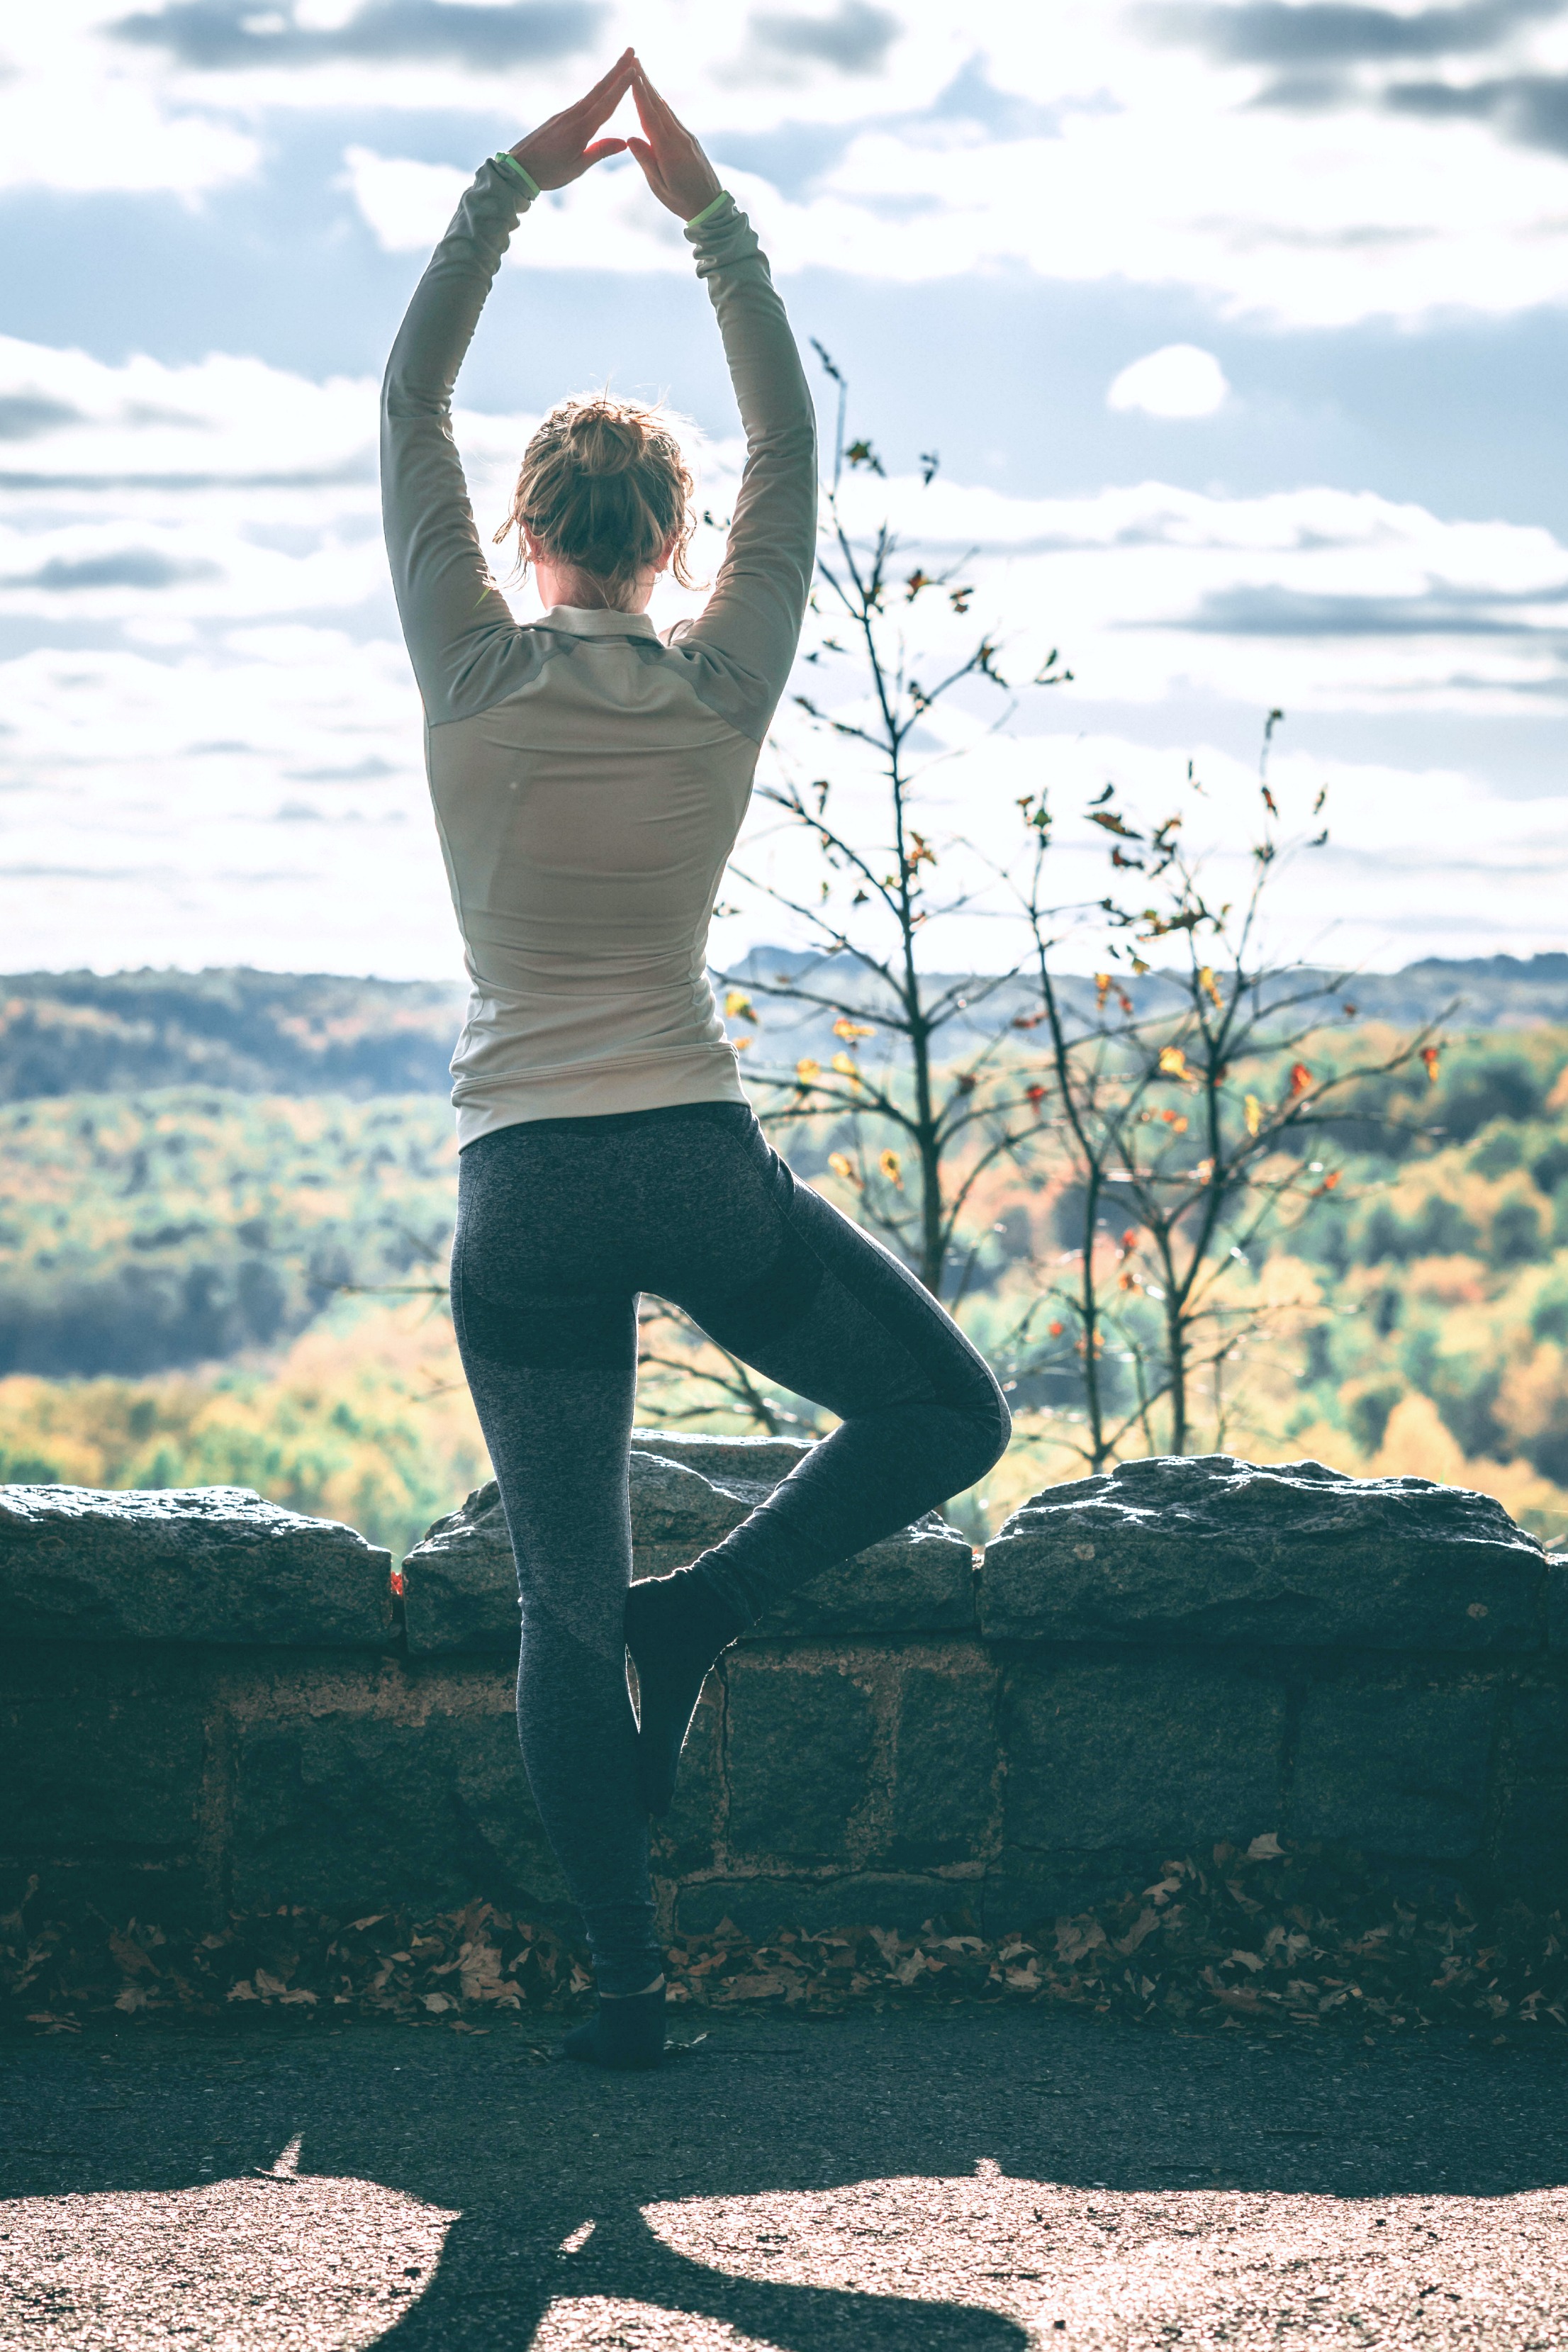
x: 207, y: 1703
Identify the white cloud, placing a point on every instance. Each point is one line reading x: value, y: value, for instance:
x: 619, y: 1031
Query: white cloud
x: 1178, y: 380
x: 215, y: 753
x: 1071, y: 144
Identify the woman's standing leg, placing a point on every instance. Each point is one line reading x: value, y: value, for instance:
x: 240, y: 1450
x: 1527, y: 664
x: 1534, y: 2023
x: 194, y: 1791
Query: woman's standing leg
x: 552, y: 1373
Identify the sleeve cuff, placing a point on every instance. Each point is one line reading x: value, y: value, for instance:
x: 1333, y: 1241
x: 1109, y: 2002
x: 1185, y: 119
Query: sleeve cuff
x: 509, y: 163
x: 709, y: 210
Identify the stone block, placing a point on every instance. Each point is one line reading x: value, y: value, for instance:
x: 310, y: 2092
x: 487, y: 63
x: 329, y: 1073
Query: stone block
x: 1157, y: 1755
x: 1211, y: 1550
x: 687, y: 1837
x: 944, y: 1770
x: 1539, y: 1732
x: 460, y: 1582
x: 200, y: 1564
x: 760, y: 1461
x: 921, y: 1580
x: 1393, y: 1772
x: 760, y: 1906
x: 1027, y: 1891
x: 351, y: 1810
x: 800, y: 1748
x: 1531, y: 1848
x: 1557, y: 1600
x: 1530, y: 1854
x: 104, y: 1761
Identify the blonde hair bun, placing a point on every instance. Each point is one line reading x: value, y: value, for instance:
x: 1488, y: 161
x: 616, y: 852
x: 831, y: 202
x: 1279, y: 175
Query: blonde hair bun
x: 603, y: 489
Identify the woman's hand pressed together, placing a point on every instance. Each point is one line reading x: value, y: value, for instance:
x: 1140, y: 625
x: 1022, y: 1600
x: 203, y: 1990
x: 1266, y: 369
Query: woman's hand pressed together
x: 673, y: 164
x: 563, y: 149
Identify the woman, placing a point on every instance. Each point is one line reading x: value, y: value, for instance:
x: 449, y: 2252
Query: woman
x: 589, y: 778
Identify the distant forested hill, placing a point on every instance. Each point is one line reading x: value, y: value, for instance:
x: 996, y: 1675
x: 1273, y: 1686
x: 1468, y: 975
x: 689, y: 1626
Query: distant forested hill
x: 318, y: 1033
x: 65, y: 1032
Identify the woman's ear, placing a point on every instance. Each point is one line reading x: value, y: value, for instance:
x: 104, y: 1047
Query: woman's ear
x: 662, y: 561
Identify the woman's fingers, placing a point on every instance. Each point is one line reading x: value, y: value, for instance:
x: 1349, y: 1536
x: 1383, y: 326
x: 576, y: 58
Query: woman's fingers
x: 651, y: 171
x: 676, y: 168
x: 618, y: 74
x: 558, y: 151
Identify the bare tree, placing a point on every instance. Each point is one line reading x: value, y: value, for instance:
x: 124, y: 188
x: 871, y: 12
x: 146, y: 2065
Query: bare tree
x: 943, y: 1105
x: 1185, y: 1108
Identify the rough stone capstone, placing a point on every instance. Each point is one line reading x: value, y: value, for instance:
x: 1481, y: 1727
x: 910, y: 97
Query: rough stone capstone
x: 687, y: 1493
x: 208, y: 1564
x: 1213, y: 1549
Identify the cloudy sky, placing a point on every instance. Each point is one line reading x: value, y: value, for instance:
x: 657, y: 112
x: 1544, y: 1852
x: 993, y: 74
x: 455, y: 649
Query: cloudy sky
x: 1240, y: 329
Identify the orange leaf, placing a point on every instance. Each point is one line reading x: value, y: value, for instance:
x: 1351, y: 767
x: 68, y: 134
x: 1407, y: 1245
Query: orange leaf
x: 1430, y: 1054
x: 1035, y: 1095
x: 889, y: 1164
x: 1301, y: 1078
x: 1101, y: 989
x: 844, y: 1027
x: 1056, y: 1329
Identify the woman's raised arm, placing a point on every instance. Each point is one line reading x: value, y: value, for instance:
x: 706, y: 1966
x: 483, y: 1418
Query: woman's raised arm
x: 753, y: 617
x: 460, y: 632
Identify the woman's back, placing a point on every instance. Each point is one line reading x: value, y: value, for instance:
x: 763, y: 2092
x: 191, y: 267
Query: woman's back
x: 589, y: 778
x: 586, y: 823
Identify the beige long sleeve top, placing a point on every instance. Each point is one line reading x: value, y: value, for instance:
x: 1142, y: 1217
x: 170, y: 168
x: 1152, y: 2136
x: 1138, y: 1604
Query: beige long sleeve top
x: 590, y: 776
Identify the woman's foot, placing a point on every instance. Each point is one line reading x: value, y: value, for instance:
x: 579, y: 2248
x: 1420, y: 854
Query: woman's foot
x: 627, y: 2032
x: 677, y: 1628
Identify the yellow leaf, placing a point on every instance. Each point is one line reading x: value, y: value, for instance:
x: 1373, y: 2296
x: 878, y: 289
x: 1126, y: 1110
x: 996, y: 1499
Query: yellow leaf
x: 845, y: 1027
x: 742, y: 1045
x: 738, y: 1006
x: 805, y: 1069
x: 1173, y: 1062
x: 1210, y: 987
x: 842, y: 1165
x: 1254, y: 1113
x: 1101, y: 989
x: 844, y: 1066
x: 889, y: 1164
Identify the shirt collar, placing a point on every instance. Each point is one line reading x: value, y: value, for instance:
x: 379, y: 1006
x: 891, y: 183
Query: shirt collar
x: 596, y: 621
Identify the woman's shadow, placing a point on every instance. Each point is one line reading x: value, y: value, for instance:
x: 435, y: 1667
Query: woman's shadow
x: 486, y: 2294
x: 575, y: 2227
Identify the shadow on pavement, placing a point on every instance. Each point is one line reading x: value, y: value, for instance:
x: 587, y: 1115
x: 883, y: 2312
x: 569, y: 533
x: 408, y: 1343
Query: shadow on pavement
x: 947, y: 2181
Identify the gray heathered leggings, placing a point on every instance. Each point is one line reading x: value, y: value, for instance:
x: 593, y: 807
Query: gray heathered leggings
x: 561, y: 1224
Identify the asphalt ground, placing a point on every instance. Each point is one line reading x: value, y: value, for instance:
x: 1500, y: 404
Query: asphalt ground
x: 970, y: 2181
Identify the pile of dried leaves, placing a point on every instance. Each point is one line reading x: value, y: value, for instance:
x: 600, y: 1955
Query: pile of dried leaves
x: 1266, y: 1936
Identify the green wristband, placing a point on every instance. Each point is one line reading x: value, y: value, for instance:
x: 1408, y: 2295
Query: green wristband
x: 698, y: 218
x: 509, y: 163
